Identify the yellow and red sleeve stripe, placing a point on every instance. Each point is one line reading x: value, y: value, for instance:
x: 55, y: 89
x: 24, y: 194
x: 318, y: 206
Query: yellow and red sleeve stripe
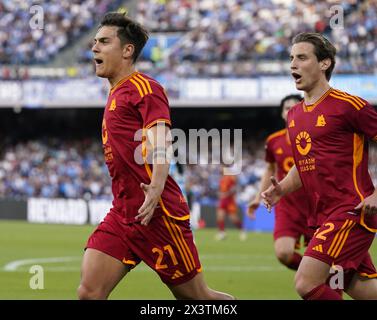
x: 120, y: 82
x: 154, y: 122
x: 142, y: 84
x: 276, y: 134
x: 356, y: 102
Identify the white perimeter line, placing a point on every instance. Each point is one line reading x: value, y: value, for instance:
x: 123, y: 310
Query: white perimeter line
x: 13, y: 266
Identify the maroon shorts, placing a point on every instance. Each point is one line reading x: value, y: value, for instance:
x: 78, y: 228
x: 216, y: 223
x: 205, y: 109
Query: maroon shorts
x: 343, y: 242
x: 287, y: 225
x: 165, y: 244
x: 229, y: 205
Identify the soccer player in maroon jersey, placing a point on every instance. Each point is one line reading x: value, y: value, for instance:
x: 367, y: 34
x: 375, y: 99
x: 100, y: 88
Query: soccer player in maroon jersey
x: 329, y: 132
x: 149, y: 219
x: 227, y: 205
x: 291, y: 212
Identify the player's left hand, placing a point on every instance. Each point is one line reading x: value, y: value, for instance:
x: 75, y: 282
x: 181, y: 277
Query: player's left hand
x: 369, y: 204
x: 272, y: 195
x: 152, y: 196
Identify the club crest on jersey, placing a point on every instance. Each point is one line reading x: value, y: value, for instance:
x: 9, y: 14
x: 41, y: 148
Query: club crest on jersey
x: 303, y: 143
x: 279, y: 151
x: 321, y: 122
x: 113, y: 105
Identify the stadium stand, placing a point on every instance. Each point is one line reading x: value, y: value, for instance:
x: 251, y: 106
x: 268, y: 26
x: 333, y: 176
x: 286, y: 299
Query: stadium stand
x: 224, y: 64
x: 75, y: 169
x: 64, y: 22
x: 54, y: 169
x: 197, y: 38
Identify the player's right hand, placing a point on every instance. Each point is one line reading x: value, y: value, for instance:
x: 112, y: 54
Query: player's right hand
x: 272, y: 195
x: 252, y: 206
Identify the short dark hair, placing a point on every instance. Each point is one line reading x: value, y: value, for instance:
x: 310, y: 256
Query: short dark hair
x: 323, y: 48
x: 129, y: 31
x: 289, y: 97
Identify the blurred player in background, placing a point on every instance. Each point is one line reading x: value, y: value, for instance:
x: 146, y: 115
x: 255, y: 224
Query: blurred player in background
x: 292, y: 211
x: 177, y: 172
x: 329, y: 131
x: 227, y: 206
x: 149, y: 220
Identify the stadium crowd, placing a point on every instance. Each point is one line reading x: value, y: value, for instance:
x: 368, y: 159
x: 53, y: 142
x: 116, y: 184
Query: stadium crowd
x: 229, y: 38
x: 222, y: 38
x: 76, y: 169
x: 234, y: 38
x: 54, y: 169
x: 63, y: 22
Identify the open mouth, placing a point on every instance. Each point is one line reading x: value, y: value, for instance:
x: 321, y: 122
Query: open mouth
x: 98, y: 61
x: 296, y: 76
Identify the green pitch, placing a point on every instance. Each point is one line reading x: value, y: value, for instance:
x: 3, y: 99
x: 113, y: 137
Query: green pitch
x: 246, y: 269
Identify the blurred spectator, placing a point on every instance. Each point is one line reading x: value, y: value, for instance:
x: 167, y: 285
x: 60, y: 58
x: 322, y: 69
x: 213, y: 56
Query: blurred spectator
x: 238, y: 31
x: 76, y: 169
x: 70, y: 169
x: 217, y: 38
x: 63, y: 22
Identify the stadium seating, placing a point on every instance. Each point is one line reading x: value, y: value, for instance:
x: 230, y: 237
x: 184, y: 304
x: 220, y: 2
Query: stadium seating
x: 223, y: 38
x: 63, y: 23
x: 196, y: 38
x: 75, y: 169
x: 54, y: 169
x: 236, y: 31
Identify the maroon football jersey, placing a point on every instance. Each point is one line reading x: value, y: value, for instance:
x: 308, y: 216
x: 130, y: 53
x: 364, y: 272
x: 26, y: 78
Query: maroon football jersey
x: 330, y: 144
x: 279, y: 151
x: 137, y: 102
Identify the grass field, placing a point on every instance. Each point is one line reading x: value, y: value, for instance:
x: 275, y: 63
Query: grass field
x: 246, y: 269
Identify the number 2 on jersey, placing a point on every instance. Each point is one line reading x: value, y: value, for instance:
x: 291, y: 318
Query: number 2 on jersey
x: 321, y: 235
